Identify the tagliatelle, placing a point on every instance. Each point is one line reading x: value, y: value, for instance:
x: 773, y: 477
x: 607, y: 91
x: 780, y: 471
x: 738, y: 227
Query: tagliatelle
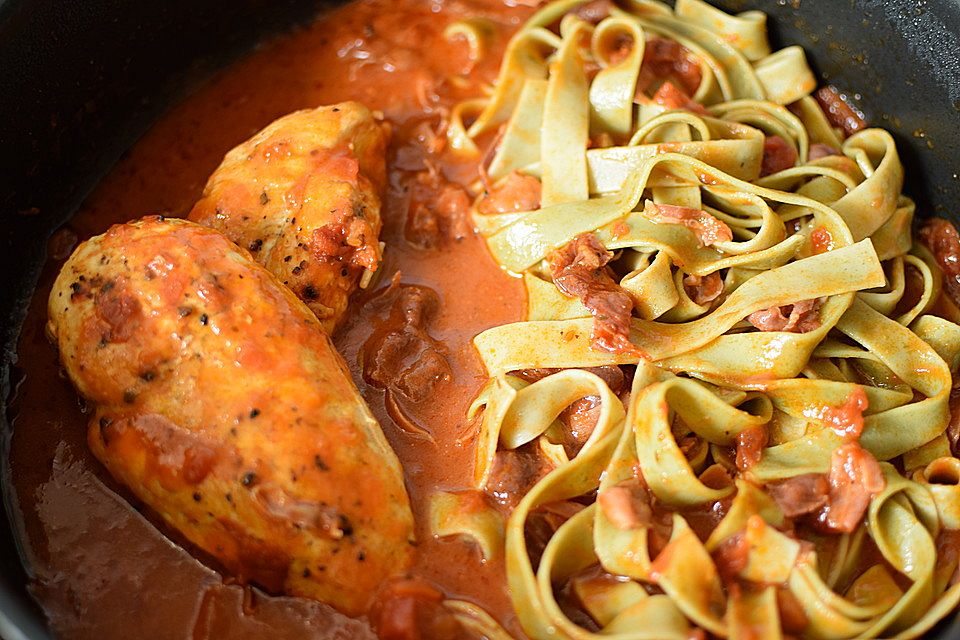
x: 781, y: 462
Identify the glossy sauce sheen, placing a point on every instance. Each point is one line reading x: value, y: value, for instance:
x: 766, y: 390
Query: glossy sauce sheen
x: 100, y: 566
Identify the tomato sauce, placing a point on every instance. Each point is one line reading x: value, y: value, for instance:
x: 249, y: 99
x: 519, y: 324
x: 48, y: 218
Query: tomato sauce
x: 101, y: 563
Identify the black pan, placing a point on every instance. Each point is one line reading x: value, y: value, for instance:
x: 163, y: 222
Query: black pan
x: 80, y: 82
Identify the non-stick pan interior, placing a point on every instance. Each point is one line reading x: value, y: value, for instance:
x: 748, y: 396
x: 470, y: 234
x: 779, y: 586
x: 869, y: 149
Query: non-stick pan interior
x: 79, y: 84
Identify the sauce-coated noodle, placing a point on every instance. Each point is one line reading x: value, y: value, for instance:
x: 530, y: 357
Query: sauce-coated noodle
x: 783, y: 380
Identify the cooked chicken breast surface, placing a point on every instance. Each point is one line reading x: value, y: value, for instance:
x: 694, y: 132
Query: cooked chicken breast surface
x: 303, y: 196
x: 222, y: 404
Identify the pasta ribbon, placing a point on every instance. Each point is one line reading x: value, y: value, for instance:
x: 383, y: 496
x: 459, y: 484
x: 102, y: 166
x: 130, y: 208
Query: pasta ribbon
x: 776, y: 316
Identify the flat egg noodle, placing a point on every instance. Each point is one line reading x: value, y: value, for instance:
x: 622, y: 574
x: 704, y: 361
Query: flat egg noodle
x: 831, y: 227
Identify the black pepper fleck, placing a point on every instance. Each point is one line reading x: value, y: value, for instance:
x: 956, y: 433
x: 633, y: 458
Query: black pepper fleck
x: 346, y: 526
x: 204, y: 319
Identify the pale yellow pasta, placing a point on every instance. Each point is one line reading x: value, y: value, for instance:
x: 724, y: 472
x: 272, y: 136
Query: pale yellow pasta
x: 831, y: 231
